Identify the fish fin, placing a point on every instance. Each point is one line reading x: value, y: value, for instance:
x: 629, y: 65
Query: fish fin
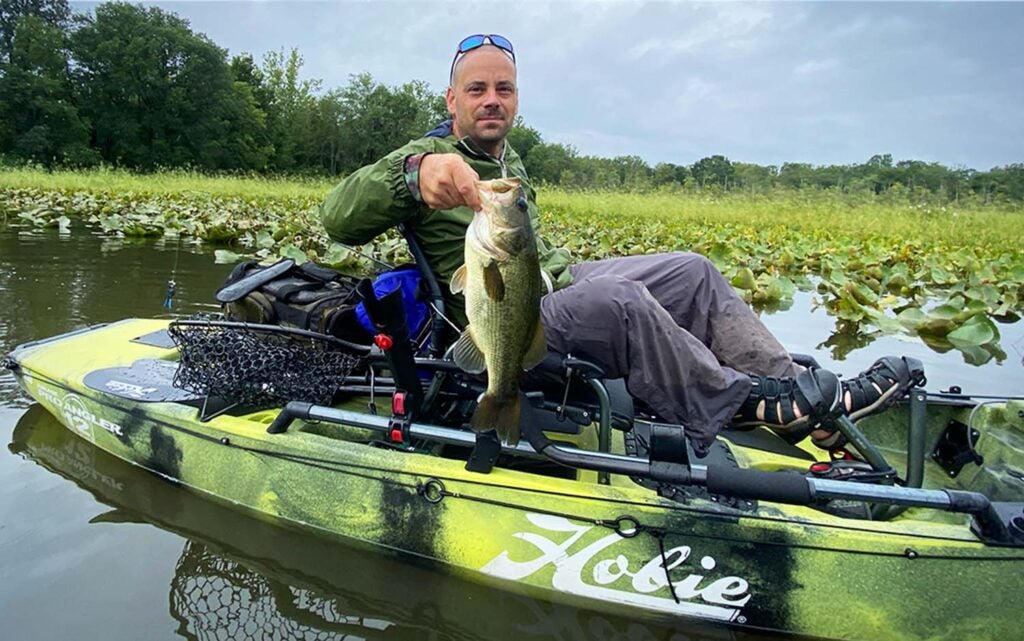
x: 459, y: 279
x: 538, y: 348
x: 467, y: 355
x: 500, y: 414
x: 494, y: 285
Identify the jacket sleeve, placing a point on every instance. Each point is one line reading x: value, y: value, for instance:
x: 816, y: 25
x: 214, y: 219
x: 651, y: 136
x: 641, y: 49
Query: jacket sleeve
x: 554, y: 262
x: 372, y: 199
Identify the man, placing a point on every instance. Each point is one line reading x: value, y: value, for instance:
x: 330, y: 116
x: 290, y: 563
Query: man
x: 670, y: 324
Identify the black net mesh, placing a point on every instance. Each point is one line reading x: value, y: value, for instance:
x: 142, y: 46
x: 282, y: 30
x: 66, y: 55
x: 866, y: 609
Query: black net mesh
x: 258, y: 365
x: 217, y: 599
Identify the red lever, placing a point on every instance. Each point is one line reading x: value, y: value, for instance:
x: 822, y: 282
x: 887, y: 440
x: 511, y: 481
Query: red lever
x: 821, y: 468
x: 398, y: 404
x: 383, y: 341
x: 396, y: 435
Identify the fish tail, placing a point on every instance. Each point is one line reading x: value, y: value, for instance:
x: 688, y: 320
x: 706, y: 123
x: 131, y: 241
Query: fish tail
x: 499, y: 413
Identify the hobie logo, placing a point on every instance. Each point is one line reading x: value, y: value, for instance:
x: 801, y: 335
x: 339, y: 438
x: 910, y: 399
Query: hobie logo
x: 697, y: 594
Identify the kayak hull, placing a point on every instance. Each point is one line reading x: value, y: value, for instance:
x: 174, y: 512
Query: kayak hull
x: 619, y: 546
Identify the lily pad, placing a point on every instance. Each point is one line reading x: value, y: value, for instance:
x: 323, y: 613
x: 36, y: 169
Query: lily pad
x: 226, y: 256
x: 977, y: 331
x: 744, y: 279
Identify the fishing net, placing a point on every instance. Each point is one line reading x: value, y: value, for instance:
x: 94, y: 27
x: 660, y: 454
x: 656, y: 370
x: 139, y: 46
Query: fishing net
x: 260, y: 365
x: 216, y: 598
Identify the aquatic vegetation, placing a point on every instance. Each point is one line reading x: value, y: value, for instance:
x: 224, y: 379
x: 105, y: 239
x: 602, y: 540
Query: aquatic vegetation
x: 947, y: 274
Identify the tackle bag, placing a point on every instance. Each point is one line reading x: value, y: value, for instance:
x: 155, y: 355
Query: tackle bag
x: 409, y: 280
x: 306, y: 296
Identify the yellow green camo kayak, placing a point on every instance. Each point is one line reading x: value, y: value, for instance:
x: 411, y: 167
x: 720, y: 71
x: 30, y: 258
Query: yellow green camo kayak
x: 862, y: 556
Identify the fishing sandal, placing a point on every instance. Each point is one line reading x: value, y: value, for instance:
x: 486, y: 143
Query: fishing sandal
x: 815, y: 393
x: 873, y: 390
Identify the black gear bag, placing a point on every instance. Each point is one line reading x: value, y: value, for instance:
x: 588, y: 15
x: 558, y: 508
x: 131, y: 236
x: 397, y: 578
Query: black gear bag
x: 305, y: 296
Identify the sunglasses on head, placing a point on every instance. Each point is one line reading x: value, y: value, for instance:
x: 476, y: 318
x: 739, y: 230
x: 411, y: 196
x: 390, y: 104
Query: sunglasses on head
x: 470, y: 43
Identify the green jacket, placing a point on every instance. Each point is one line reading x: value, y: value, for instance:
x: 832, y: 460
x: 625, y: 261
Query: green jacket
x: 376, y: 197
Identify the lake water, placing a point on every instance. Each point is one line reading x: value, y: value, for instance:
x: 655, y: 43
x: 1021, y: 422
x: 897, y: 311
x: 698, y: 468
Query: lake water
x: 93, y: 548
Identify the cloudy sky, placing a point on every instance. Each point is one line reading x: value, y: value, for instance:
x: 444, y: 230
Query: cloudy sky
x: 758, y: 82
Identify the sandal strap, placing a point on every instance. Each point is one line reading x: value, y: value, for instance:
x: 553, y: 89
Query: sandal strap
x: 815, y: 392
x: 902, y: 372
x: 777, y: 395
x: 812, y: 383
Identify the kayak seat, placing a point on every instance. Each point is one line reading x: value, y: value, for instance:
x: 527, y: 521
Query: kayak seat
x: 567, y: 380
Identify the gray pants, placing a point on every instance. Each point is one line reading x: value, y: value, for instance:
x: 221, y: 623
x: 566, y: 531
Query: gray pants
x: 673, y: 327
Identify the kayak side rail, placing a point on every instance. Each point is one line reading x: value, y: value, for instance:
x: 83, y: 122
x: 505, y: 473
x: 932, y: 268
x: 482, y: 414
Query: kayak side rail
x: 997, y: 524
x: 13, y: 356
x: 384, y: 426
x: 994, y: 523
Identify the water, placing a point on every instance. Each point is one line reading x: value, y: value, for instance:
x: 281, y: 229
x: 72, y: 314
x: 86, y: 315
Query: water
x: 97, y: 548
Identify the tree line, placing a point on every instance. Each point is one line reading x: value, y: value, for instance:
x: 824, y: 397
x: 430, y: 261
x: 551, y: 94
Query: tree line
x: 135, y: 87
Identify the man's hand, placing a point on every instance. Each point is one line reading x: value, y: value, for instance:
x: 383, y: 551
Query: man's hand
x: 447, y: 181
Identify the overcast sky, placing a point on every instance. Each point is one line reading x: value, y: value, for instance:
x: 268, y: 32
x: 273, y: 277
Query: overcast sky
x: 758, y: 82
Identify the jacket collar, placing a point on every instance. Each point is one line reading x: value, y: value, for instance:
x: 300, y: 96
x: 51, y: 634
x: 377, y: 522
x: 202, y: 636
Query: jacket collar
x: 445, y: 129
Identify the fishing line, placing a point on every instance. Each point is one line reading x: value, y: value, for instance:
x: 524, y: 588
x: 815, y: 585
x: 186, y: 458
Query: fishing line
x: 172, y: 286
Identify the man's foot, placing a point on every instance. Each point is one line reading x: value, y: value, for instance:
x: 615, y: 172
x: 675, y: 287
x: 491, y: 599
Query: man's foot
x: 785, y: 403
x: 881, y: 385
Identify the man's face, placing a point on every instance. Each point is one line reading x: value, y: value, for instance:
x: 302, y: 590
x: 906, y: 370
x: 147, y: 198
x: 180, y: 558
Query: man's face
x: 483, y: 98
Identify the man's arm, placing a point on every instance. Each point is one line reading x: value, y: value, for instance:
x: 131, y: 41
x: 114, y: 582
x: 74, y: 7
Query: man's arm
x: 371, y: 200
x: 390, y: 191
x: 554, y: 265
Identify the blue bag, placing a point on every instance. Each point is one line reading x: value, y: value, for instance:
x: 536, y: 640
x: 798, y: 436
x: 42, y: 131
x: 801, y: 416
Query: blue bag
x: 408, y: 279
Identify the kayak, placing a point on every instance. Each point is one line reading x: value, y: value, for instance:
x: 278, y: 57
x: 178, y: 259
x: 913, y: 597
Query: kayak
x: 918, y: 534
x: 224, y: 581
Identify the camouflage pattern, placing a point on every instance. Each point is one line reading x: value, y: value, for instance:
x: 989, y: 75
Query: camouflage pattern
x: 618, y: 547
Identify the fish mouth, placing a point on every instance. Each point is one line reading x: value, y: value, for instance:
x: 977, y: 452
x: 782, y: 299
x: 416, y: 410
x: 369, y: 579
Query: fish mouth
x: 502, y: 185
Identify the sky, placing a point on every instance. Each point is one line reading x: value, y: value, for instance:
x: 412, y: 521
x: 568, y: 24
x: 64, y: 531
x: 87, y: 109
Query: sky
x: 768, y: 83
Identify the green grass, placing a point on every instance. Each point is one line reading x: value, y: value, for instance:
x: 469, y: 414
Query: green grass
x: 879, y: 262
x: 165, y: 182
x: 810, y: 212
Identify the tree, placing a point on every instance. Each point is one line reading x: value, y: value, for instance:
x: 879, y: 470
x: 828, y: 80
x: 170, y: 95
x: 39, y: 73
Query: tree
x: 374, y: 119
x: 55, y: 13
x: 523, y: 138
x: 754, y: 177
x: 667, y: 174
x: 40, y: 121
x: 290, y: 108
x: 633, y: 173
x: 548, y: 161
x: 713, y: 169
x: 159, y: 94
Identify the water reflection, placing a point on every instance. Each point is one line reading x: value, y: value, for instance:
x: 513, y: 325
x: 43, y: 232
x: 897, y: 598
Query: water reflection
x: 240, y: 577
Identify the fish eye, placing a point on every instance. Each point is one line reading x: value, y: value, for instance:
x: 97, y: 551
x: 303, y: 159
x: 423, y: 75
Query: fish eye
x: 521, y: 203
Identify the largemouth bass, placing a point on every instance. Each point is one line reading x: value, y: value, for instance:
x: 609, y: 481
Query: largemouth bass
x: 502, y: 284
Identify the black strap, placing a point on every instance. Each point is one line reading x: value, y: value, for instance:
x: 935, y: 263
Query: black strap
x: 317, y: 272
x: 247, y: 285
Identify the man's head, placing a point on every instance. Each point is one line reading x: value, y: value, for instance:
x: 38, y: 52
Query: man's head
x: 483, y: 96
